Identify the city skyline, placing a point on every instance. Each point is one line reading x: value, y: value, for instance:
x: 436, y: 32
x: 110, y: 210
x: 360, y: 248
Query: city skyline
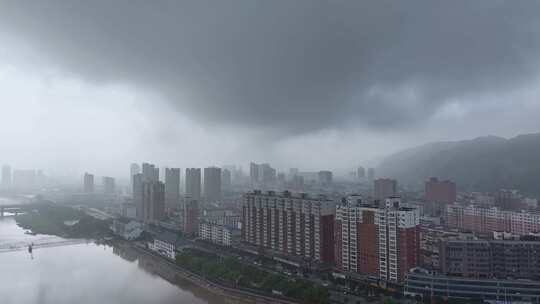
x: 284, y: 151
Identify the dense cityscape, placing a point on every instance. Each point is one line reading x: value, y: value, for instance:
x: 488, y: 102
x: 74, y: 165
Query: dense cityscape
x: 355, y: 236
x: 269, y: 151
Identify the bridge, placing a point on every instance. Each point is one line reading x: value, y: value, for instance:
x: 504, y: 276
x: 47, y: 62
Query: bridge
x: 45, y: 243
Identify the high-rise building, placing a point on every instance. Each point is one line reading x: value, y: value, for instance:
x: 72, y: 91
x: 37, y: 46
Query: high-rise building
x: 88, y: 183
x: 293, y: 172
x: 212, y: 184
x: 399, y: 240
x: 41, y: 179
x: 509, y: 199
x: 6, y: 177
x: 153, y: 201
x: 310, y: 177
x: 138, y: 195
x: 147, y: 171
x: 231, y: 168
x: 262, y: 175
x: 384, y: 188
x: 24, y: 179
x: 368, y: 240
x: 371, y: 175
x: 361, y: 173
x: 297, y: 183
x: 108, y: 185
x: 226, y: 178
x: 268, y: 174
x: 281, y: 180
x: 133, y: 169
x: 293, y: 225
x: 357, y: 236
x: 378, y: 240
x: 150, y: 172
x: 193, y: 183
x: 128, y: 209
x: 238, y: 177
x: 440, y: 191
x: 191, y: 217
x: 254, y: 173
x: 172, y: 187
x: 438, y: 194
x: 325, y: 178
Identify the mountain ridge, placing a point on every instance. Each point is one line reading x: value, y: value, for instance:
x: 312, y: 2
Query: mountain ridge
x: 485, y: 163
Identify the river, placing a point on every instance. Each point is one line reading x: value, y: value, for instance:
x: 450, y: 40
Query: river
x: 84, y: 273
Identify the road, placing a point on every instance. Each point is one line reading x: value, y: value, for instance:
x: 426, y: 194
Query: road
x: 338, y: 294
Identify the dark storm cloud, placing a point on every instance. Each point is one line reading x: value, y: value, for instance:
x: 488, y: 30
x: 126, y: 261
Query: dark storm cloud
x: 290, y: 65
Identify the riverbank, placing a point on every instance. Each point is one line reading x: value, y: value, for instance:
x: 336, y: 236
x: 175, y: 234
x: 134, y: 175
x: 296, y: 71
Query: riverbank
x: 234, y: 273
x: 204, y: 269
x: 235, y: 294
x: 63, y: 221
x: 84, y: 273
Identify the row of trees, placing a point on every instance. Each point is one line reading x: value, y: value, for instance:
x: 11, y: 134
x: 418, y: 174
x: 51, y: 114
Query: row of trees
x: 49, y: 219
x: 232, y: 272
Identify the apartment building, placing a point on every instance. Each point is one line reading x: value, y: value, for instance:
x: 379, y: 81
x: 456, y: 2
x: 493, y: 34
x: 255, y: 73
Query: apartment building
x: 481, y: 259
x: 296, y: 225
x: 488, y: 219
x: 215, y: 233
x: 399, y: 239
x: 356, y: 236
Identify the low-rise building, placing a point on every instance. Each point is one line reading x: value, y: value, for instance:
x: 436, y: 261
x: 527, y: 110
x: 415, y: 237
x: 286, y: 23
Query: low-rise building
x: 430, y: 244
x: 224, y: 217
x: 129, y: 209
x: 165, y: 244
x: 428, y: 285
x: 502, y: 259
x: 486, y: 220
x: 215, y: 233
x: 127, y: 229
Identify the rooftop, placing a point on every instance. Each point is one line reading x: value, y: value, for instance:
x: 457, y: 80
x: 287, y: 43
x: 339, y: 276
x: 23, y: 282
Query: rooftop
x: 288, y: 194
x: 168, y: 237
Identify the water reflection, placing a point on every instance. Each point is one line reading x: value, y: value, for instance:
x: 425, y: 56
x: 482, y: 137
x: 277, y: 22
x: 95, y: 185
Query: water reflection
x: 87, y: 273
x: 155, y: 266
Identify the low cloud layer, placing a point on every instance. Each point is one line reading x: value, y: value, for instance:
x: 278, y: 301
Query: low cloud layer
x: 298, y: 69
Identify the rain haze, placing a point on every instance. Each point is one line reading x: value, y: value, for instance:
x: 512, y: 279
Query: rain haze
x: 269, y: 151
x: 216, y: 82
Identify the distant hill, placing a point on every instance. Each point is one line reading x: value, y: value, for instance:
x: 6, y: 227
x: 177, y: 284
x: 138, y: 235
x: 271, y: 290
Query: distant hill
x: 482, y: 164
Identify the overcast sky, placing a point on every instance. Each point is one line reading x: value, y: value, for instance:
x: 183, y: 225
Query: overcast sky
x: 95, y: 85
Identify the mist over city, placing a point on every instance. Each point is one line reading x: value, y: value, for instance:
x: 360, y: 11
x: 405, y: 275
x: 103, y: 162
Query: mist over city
x: 199, y: 83
x: 250, y: 151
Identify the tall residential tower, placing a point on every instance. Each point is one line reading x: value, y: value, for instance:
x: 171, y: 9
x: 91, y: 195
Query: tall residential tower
x: 212, y: 184
x: 193, y: 183
x: 172, y: 187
